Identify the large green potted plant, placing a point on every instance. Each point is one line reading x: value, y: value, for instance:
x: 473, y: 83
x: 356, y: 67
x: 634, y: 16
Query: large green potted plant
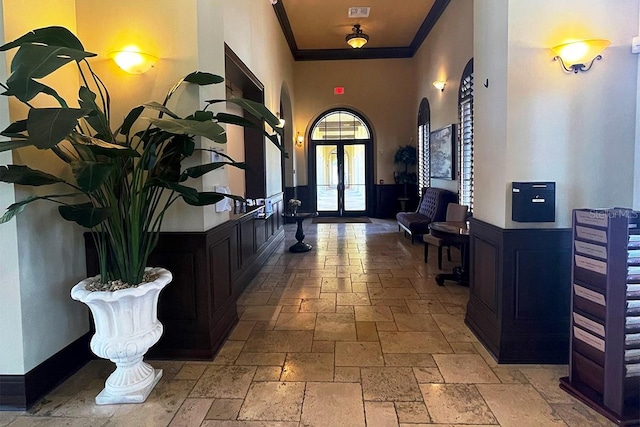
x: 407, y: 156
x: 125, y: 178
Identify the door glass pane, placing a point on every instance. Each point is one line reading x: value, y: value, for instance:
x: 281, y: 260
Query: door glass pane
x: 327, y: 178
x: 355, y: 195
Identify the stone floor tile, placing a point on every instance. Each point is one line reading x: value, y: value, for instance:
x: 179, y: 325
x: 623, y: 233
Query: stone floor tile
x: 273, y: 401
x: 191, y: 413
x: 301, y: 292
x: 464, y: 368
x: 393, y: 293
x: 308, y: 367
x: 323, y: 347
x: 463, y: 347
x: 373, y: 314
x: 519, y: 405
x: 261, y: 312
x: 367, y: 331
x: 390, y: 384
x: 426, y: 306
x: 344, y: 399
x: 453, y: 327
x: 345, y: 309
x: 413, y: 342
x: 412, y: 412
x: 83, y: 405
x: 224, y: 409
x: 546, y: 380
x: 347, y: 374
x: 225, y: 382
x: 386, y: 326
x: 268, y: 373
x: 325, y: 304
x: 261, y: 359
x: 408, y: 359
x: 358, y: 354
x: 279, y: 341
x: 380, y: 414
x: 296, y: 322
x: 509, y: 375
x: 254, y: 298
x: 191, y: 371
x: 28, y: 421
x: 420, y: 322
x: 335, y: 327
x: 229, y: 352
x: 353, y: 298
x: 456, y: 404
x: 336, y: 284
x: 242, y: 330
x: 428, y: 375
x: 579, y: 415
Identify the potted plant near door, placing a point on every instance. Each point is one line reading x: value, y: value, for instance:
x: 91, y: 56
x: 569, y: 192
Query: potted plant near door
x: 407, y: 156
x: 124, y: 180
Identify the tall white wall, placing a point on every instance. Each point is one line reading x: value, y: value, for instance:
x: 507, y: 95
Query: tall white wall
x: 443, y: 56
x: 575, y: 129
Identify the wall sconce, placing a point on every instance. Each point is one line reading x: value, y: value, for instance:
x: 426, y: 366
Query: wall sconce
x: 579, y: 55
x: 299, y: 140
x: 440, y: 84
x: 132, y: 60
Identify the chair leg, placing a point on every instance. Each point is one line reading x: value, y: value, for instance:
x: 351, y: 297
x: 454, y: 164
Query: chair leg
x: 426, y: 252
x: 412, y: 238
x: 439, y: 257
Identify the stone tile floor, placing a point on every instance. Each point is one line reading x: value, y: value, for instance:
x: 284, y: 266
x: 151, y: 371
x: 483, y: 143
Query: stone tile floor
x: 353, y: 333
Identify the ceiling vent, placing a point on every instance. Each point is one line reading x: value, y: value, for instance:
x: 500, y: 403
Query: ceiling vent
x: 359, y: 12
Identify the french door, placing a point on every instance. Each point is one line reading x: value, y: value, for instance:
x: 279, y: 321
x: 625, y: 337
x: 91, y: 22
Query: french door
x: 341, y: 178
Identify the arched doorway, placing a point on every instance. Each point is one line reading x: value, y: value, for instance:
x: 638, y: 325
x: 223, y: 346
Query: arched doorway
x: 341, y: 163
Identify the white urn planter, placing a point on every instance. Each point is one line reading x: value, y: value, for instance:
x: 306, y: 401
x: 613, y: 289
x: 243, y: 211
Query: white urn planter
x: 127, y: 325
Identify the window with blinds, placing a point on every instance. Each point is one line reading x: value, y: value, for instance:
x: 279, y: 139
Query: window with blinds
x: 465, y: 140
x: 424, y: 170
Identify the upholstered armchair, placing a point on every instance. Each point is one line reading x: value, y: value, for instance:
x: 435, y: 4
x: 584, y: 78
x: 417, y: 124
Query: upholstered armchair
x: 432, y: 207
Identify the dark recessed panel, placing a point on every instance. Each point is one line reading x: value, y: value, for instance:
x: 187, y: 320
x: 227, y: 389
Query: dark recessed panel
x: 220, y: 262
x: 485, y: 272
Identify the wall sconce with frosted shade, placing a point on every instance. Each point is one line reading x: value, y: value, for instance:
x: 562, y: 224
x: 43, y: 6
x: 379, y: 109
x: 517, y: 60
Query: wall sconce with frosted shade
x: 440, y: 84
x: 579, y: 55
x: 132, y: 60
x: 299, y: 140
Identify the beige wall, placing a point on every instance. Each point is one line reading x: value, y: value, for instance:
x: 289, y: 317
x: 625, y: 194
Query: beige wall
x: 575, y: 129
x: 443, y: 56
x: 381, y: 90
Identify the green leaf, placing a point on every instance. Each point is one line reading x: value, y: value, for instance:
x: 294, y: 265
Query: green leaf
x: 131, y: 119
x: 202, y: 116
x: 188, y: 194
x: 24, y: 175
x: 210, y: 130
x: 203, y: 79
x: 198, y: 171
x: 96, y: 118
x: 12, y: 145
x: 159, y: 107
x: 18, y: 207
x: 48, y: 126
x: 211, y: 197
x: 16, y: 129
x: 25, y: 89
x: 84, y: 214
x: 52, y: 36
x: 91, y: 175
x: 256, y: 109
x: 36, y: 61
x: 103, y: 148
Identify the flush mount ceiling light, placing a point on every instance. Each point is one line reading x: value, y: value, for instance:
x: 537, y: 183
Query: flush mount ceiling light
x: 357, y: 38
x: 132, y: 60
x: 579, y: 55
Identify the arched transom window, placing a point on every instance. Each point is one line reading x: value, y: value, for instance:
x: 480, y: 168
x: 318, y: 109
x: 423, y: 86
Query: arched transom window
x: 338, y: 125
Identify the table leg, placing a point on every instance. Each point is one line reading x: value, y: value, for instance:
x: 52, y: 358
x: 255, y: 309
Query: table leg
x: 300, y: 246
x: 459, y: 274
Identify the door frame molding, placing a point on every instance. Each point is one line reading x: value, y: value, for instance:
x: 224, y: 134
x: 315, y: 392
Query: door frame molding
x: 369, y: 164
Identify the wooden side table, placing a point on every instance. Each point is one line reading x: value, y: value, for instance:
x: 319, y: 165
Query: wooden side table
x: 457, y: 233
x: 299, y: 217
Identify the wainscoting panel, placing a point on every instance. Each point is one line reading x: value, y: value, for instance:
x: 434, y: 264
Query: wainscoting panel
x: 519, y: 292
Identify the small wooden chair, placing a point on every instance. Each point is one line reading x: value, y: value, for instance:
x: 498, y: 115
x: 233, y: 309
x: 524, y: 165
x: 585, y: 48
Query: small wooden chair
x: 455, y: 212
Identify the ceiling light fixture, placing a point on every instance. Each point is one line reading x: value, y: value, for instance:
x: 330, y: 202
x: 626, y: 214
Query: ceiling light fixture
x: 579, y: 55
x: 357, y: 38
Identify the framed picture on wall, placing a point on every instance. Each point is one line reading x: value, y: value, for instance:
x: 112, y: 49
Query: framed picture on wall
x: 441, y: 147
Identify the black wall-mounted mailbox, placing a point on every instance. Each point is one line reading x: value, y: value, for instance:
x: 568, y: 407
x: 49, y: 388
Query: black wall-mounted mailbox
x: 533, y: 201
